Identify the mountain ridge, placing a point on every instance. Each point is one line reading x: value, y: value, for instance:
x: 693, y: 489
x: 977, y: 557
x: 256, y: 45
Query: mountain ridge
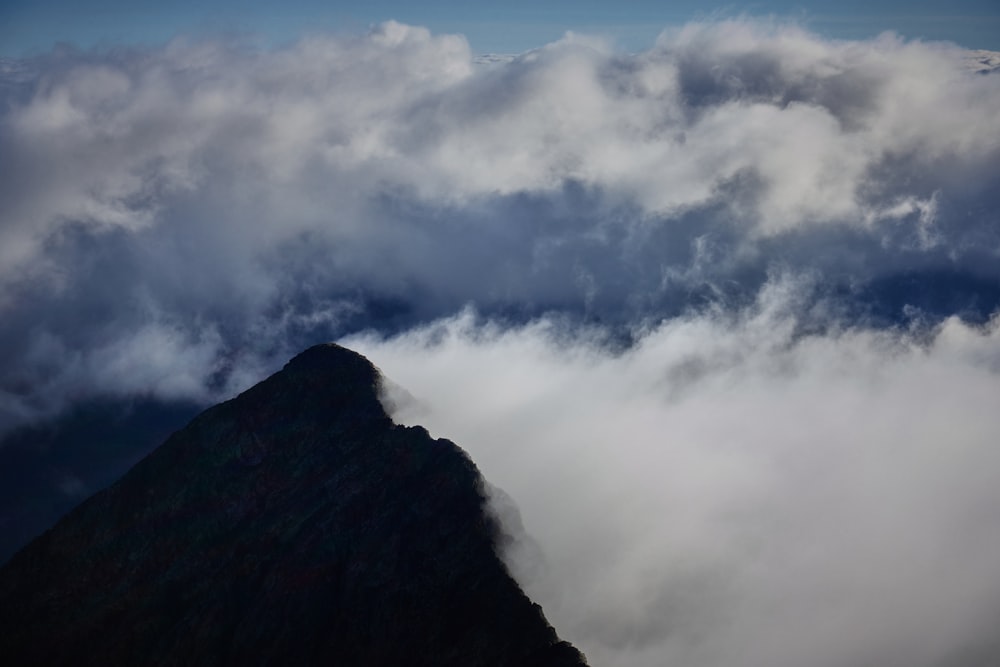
x: 295, y: 523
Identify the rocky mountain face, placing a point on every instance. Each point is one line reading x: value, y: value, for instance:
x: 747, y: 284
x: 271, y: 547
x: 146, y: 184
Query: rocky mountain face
x: 293, y: 525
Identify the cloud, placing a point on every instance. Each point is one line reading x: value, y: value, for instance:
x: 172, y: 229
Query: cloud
x: 227, y: 206
x: 729, y: 490
x: 716, y: 360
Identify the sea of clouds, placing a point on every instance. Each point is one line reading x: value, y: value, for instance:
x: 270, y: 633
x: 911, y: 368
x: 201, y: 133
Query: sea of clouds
x: 717, y: 315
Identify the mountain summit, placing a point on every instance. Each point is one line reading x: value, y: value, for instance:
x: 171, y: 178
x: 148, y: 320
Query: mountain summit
x: 295, y: 524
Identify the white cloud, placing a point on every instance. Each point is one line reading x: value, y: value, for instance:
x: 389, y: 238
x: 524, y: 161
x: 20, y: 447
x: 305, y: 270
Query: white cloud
x: 246, y: 202
x: 728, y: 492
x: 303, y: 138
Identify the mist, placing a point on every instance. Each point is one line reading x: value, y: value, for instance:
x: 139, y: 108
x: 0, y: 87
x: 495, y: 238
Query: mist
x: 727, y: 492
x: 719, y: 317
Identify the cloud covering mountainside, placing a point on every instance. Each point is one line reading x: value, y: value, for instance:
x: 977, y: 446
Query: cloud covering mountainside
x: 719, y: 315
x: 726, y: 493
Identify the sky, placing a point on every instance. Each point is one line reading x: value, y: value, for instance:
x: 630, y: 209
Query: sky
x: 30, y: 26
x: 716, y: 314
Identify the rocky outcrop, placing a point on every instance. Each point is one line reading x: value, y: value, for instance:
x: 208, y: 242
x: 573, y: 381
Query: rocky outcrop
x: 293, y: 525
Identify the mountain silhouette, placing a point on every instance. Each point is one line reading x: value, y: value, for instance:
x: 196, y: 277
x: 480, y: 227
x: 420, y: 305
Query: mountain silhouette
x: 295, y: 524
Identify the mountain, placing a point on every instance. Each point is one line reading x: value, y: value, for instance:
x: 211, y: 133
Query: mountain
x: 295, y: 524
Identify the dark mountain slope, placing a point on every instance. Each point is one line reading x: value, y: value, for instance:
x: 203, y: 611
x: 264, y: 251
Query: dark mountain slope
x: 295, y: 524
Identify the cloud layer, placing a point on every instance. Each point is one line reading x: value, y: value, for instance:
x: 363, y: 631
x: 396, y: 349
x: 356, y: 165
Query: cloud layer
x: 224, y: 206
x: 716, y: 315
x: 726, y: 492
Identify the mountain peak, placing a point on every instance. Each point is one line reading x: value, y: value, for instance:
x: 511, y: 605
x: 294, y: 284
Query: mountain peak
x: 334, y: 361
x: 293, y: 524
x: 337, y: 376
